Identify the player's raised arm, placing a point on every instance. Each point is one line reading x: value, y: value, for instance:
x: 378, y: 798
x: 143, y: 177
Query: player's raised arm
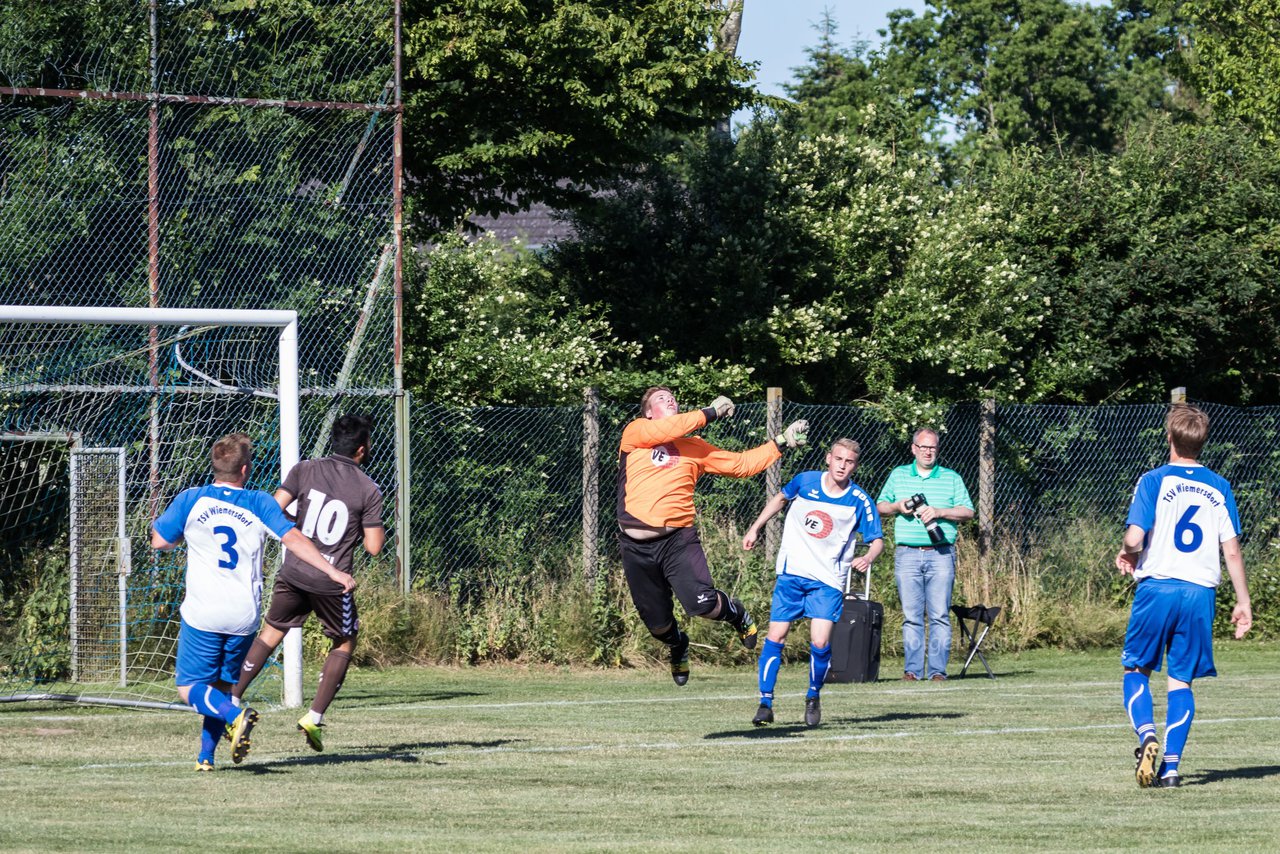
x: 772, y: 508
x: 646, y: 433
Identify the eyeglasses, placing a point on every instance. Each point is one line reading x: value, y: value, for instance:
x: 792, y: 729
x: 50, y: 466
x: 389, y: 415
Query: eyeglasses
x: 925, y: 447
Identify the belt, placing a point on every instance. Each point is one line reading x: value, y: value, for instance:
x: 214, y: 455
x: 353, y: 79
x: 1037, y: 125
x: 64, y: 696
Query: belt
x: 924, y: 548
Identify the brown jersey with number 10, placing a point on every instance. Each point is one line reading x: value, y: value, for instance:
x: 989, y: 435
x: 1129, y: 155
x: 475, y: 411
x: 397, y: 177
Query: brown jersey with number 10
x: 334, y: 502
x: 658, y: 466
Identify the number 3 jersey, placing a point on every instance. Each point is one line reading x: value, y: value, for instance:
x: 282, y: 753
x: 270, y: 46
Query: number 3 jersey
x: 818, y: 536
x: 225, y: 528
x: 334, y: 502
x: 1187, y: 511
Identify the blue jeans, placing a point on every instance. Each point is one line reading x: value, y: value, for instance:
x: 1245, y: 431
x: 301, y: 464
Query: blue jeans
x: 925, y: 578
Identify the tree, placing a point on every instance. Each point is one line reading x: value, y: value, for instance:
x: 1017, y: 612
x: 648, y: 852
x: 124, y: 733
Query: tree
x: 1049, y: 73
x: 1094, y: 277
x: 1234, y: 58
x: 835, y: 85
x: 768, y: 253
x: 514, y: 101
x: 1141, y: 39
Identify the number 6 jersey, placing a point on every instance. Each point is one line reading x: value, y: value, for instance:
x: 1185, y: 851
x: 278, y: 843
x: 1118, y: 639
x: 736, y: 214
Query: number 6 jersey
x: 225, y: 528
x: 334, y: 501
x: 1187, y: 511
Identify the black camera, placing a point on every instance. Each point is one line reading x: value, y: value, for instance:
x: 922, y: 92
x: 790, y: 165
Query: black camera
x: 935, y: 533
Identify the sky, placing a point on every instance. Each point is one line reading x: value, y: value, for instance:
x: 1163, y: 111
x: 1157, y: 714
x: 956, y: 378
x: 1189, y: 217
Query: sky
x: 776, y: 32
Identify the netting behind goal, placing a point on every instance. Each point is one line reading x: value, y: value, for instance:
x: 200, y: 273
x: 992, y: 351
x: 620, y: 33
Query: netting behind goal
x: 91, y: 450
x: 227, y: 156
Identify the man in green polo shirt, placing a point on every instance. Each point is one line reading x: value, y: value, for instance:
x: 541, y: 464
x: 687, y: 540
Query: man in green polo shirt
x: 925, y: 570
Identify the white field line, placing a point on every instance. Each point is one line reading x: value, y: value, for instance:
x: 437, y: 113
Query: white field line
x: 919, y: 691
x: 706, y: 744
x: 924, y: 692
x: 927, y: 691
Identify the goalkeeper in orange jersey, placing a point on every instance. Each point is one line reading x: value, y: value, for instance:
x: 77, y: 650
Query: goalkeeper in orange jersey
x: 658, y: 465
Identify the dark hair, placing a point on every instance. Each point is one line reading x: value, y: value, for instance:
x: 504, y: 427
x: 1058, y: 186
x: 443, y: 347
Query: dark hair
x: 349, y: 433
x: 230, y: 454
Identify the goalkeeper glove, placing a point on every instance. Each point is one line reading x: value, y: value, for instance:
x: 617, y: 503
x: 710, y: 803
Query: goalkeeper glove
x: 723, y: 407
x: 794, y: 436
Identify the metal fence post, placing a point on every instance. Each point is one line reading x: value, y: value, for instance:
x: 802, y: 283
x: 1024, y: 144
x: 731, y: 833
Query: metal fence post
x: 986, y: 492
x: 773, y: 474
x: 404, y: 504
x: 590, y: 484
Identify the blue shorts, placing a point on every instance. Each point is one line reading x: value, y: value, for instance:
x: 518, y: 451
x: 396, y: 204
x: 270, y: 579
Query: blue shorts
x: 208, y: 657
x: 1174, y: 618
x: 795, y: 596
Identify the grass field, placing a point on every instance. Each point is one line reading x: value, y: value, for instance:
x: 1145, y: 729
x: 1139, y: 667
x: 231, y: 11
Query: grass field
x: 509, y: 759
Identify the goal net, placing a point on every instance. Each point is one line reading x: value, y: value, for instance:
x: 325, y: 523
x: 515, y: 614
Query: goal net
x: 109, y: 413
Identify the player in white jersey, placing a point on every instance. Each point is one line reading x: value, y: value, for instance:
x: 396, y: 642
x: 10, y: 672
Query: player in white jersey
x: 225, y: 526
x: 828, y: 512
x: 1181, y: 514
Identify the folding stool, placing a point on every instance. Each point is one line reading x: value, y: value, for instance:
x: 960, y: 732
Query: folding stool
x: 979, y: 615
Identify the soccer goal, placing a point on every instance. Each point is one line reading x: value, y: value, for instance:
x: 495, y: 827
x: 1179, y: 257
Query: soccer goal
x: 107, y: 414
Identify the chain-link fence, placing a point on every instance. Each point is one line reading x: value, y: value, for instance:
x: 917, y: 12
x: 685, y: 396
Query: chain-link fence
x: 500, y: 489
x: 183, y: 155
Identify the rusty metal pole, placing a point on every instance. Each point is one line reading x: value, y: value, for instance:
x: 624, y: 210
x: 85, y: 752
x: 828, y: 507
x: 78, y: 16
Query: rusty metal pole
x: 401, y: 399
x: 153, y: 265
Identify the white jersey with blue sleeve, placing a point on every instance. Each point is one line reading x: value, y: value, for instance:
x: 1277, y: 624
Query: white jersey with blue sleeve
x: 818, y: 536
x: 225, y: 528
x: 1187, y: 511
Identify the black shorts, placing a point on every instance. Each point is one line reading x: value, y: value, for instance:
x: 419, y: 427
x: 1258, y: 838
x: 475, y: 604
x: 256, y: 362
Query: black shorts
x: 654, y: 569
x: 291, y: 605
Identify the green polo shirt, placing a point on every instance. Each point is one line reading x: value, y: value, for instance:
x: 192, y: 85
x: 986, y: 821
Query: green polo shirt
x: 942, y: 488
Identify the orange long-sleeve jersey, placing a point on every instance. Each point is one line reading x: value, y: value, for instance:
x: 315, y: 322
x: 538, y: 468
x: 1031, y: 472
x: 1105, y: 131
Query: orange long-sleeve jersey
x: 658, y: 466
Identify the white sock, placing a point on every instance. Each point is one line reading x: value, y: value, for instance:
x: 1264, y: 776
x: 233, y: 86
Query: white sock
x: 317, y: 718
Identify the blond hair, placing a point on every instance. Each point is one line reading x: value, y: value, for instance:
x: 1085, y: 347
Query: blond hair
x: 1188, y: 427
x: 851, y: 444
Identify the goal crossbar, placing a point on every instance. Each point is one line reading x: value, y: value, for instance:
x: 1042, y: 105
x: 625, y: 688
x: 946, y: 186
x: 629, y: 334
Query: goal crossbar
x: 284, y: 319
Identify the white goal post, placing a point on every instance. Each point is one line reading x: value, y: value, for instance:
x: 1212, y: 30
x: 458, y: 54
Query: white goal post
x: 286, y: 321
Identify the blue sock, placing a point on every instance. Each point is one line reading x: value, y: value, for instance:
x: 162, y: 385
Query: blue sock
x: 770, y: 661
x: 212, y: 703
x: 819, y: 664
x: 1182, y: 708
x: 210, y: 734
x: 1137, y: 702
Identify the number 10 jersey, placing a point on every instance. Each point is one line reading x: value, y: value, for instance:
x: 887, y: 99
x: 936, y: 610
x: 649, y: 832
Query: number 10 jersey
x: 334, y: 501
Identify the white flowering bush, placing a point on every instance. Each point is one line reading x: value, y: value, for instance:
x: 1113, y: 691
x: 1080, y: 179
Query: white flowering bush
x: 485, y: 325
x: 959, y: 323
x: 854, y: 204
